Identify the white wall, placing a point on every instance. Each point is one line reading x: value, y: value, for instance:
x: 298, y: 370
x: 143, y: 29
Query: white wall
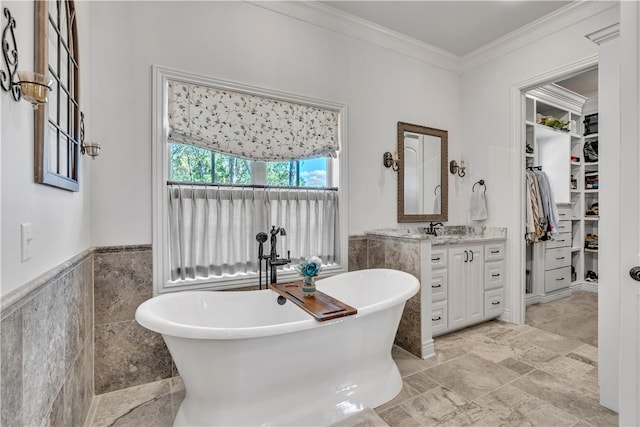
x: 248, y: 44
x: 60, y: 219
x: 486, y: 137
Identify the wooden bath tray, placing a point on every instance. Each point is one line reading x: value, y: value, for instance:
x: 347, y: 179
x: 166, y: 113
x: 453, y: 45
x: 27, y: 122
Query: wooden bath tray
x: 321, y: 306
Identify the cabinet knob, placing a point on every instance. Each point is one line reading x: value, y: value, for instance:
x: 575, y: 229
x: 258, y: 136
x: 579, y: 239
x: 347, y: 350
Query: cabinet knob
x: 435, y: 259
x: 436, y: 286
x: 495, y: 275
x: 495, y: 252
x: 436, y: 319
x: 495, y: 303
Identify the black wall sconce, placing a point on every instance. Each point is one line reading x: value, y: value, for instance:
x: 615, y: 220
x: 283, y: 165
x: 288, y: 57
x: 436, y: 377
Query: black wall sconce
x: 30, y: 86
x: 454, y: 168
x: 89, y: 148
x: 391, y: 160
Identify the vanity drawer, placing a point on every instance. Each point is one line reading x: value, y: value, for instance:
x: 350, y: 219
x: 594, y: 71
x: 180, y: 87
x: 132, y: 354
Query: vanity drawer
x: 560, y: 240
x: 493, y: 303
x: 493, y: 275
x: 438, y: 258
x: 564, y: 227
x: 493, y: 251
x: 557, y: 258
x: 438, y: 285
x: 557, y: 279
x: 438, y: 317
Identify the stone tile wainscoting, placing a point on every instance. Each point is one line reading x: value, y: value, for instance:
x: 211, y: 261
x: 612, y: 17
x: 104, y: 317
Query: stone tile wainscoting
x: 126, y: 354
x: 368, y: 251
x: 53, y: 325
x: 50, y: 332
x: 46, y: 347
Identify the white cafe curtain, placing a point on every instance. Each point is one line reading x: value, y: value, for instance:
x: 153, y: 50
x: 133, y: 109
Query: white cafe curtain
x: 250, y: 126
x: 212, y: 229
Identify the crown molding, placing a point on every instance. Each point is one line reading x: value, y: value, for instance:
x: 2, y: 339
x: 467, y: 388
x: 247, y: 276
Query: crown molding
x: 560, y: 96
x: 344, y: 23
x: 549, y: 24
x: 605, y: 34
x: 333, y: 19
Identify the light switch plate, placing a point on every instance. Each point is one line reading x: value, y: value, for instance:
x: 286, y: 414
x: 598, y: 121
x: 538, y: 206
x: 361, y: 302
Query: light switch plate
x: 27, y: 241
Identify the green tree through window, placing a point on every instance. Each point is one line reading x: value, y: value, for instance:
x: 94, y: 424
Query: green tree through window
x: 198, y: 165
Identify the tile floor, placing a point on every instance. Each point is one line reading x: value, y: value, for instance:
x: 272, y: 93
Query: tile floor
x: 493, y: 374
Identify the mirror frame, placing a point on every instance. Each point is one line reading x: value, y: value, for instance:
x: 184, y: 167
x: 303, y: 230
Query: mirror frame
x: 444, y: 178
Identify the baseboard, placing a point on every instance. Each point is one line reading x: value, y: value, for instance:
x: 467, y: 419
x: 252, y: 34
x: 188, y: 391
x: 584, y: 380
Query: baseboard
x: 552, y: 296
x: 585, y: 286
x: 428, y: 349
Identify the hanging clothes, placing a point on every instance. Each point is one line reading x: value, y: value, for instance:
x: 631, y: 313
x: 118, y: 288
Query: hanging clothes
x: 541, y: 211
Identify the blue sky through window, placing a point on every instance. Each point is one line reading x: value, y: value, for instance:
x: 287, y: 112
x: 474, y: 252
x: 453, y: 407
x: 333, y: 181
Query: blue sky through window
x: 314, y: 171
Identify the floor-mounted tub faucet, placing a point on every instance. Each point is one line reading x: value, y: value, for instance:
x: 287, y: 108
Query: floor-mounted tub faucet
x: 273, y: 260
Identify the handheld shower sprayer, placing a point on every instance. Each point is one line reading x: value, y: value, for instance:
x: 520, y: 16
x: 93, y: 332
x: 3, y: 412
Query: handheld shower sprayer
x: 261, y: 238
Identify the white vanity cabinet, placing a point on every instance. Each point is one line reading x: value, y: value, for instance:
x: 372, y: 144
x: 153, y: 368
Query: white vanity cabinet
x: 467, y: 284
x: 466, y: 290
x: 439, y: 290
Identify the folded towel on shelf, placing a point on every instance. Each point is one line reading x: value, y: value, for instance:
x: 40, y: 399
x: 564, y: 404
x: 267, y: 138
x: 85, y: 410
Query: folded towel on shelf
x: 478, y: 208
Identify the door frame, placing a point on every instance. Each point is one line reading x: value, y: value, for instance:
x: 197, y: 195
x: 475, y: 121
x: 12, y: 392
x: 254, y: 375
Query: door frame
x: 629, y: 313
x: 516, y: 295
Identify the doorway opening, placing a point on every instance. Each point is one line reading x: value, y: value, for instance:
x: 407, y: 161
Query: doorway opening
x: 559, y: 202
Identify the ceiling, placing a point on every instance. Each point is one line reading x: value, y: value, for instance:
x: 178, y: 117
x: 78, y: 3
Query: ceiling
x: 459, y: 27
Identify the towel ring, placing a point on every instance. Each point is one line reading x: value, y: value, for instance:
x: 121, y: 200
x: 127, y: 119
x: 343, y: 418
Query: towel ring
x: 481, y: 182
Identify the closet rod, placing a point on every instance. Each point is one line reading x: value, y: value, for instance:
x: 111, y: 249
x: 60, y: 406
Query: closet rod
x: 538, y: 168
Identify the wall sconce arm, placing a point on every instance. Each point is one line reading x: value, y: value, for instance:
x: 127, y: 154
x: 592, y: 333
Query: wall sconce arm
x: 10, y: 56
x: 391, y: 160
x: 454, y: 168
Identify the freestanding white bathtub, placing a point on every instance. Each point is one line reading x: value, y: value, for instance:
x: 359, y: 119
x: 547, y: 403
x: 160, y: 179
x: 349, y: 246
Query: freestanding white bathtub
x: 246, y: 360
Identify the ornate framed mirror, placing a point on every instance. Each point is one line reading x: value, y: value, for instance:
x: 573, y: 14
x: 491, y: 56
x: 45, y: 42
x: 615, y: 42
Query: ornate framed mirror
x: 422, y: 174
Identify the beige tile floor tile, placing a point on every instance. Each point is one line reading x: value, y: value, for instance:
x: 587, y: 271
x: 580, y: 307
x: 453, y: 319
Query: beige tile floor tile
x: 493, y: 374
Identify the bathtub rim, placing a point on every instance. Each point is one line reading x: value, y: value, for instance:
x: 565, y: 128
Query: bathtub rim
x: 146, y: 317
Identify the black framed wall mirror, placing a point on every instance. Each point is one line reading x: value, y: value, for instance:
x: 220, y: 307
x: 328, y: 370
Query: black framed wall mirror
x: 422, y: 174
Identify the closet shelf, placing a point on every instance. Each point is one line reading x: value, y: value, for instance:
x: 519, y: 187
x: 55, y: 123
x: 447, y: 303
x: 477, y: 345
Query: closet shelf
x: 591, y: 191
x: 592, y: 251
x: 576, y: 249
x: 591, y: 218
x: 576, y: 163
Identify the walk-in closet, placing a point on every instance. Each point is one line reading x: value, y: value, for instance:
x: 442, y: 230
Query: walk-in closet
x: 561, y: 204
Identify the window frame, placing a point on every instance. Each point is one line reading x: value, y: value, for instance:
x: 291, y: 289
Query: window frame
x: 160, y: 177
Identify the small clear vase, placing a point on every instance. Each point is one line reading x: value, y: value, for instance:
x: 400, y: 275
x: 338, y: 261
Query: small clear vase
x: 309, y: 286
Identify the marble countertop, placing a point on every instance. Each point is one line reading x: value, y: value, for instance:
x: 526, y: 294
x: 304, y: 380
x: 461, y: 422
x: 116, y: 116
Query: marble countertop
x: 450, y: 234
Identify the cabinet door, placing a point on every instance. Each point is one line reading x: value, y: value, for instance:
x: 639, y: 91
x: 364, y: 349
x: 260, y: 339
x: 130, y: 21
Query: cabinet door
x: 475, y: 284
x: 458, y: 260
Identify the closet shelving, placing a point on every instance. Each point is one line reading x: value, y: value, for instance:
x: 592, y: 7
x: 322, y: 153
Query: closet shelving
x: 563, y: 160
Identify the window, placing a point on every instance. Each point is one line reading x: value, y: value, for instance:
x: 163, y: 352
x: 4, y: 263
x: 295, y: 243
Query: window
x: 190, y: 164
x: 210, y: 202
x: 57, y: 123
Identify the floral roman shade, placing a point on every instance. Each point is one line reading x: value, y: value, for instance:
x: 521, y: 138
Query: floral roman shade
x: 249, y: 126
